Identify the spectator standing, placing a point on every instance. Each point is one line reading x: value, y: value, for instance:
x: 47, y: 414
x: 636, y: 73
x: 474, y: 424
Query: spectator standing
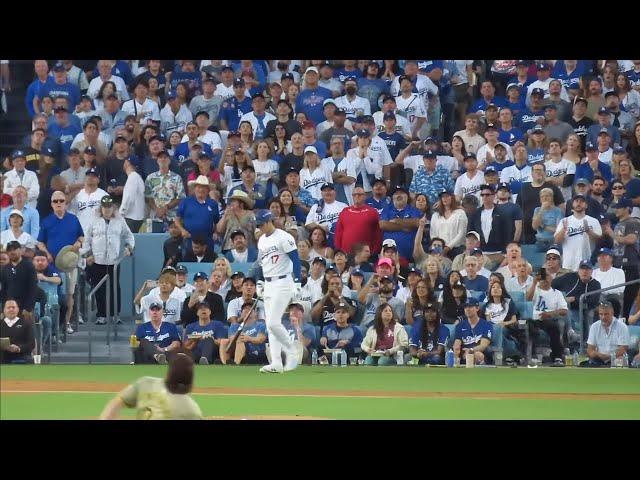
x: 86, y: 203
x: 579, y: 121
x: 313, y: 174
x: 545, y: 220
x: 325, y: 214
x: 529, y: 199
x: 312, y: 96
x: 626, y: 236
x: 208, y: 102
x: 42, y: 78
x: 60, y: 229
x: 133, y: 196
x: 60, y: 87
x: 449, y: 222
x: 472, y: 140
x: 469, y: 183
x: 174, y: 116
x: 399, y: 222
x: 103, y: 241
x: 238, y: 216
x: 577, y: 234
x: 430, y: 179
x: 105, y: 75
x: 358, y: 223
x: 490, y: 223
x: 164, y: 190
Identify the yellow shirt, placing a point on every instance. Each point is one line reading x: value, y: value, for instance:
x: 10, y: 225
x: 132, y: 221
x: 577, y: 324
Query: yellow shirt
x: 150, y: 397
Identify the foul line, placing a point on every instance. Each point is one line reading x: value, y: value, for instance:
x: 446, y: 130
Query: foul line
x: 410, y: 395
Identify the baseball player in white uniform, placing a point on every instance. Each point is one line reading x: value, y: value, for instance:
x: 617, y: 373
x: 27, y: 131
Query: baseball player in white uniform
x: 279, y: 259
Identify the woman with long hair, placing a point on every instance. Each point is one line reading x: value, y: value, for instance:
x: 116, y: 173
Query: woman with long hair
x: 452, y: 299
x: 384, y: 338
x: 231, y: 167
x: 618, y: 191
x: 634, y: 146
x: 500, y: 310
x: 390, y: 71
x: 266, y: 168
x: 313, y: 175
x: 434, y: 275
x: 175, y: 139
x: 183, y: 93
x: 246, y: 137
x: 458, y: 150
x: 106, y: 89
x: 237, y: 216
x: 319, y: 244
x: 341, y: 265
x: 429, y: 337
x: 290, y: 208
x: 235, y: 290
x: 280, y: 143
x: 537, y: 146
x: 572, y: 150
x: 280, y: 219
x: 154, y: 92
x: 361, y: 253
x: 629, y: 98
x: 449, y: 222
x: 304, y: 250
x: 292, y: 95
x: 422, y: 296
x: 545, y: 220
x: 421, y: 202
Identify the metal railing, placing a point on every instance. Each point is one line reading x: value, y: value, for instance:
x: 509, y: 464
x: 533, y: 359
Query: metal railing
x: 598, y: 292
x: 90, y: 321
x: 112, y: 321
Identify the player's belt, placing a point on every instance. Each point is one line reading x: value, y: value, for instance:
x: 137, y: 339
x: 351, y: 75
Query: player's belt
x: 270, y: 279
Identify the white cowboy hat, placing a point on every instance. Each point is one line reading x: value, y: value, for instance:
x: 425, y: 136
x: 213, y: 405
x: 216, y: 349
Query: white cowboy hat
x: 243, y: 197
x: 201, y: 180
x: 67, y: 259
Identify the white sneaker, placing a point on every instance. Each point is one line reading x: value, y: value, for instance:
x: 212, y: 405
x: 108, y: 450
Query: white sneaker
x: 69, y: 329
x: 292, y: 361
x: 204, y: 361
x: 101, y: 321
x: 271, y: 369
x: 80, y: 320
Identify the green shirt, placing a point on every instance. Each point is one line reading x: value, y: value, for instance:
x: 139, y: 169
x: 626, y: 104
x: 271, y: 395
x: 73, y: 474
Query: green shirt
x: 150, y: 396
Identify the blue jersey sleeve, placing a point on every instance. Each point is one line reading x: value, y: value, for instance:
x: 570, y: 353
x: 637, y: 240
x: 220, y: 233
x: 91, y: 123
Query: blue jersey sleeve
x: 295, y: 259
x: 457, y: 335
x: 443, y: 336
x: 415, y: 335
x: 233, y: 328
x: 261, y: 327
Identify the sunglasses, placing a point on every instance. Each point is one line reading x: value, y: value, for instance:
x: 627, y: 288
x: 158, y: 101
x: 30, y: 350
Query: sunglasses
x: 59, y: 200
x: 617, y: 188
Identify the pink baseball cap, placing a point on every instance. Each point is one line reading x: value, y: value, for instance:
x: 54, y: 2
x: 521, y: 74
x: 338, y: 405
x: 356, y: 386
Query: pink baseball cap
x: 385, y: 261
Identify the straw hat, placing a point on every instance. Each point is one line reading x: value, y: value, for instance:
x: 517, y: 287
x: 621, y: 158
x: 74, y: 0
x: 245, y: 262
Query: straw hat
x: 243, y: 197
x: 67, y: 259
x: 201, y: 180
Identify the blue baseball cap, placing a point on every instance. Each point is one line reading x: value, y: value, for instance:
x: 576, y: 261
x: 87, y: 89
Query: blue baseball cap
x: 490, y: 169
x: 586, y: 264
x: 543, y: 66
x: 327, y: 185
x: 429, y: 154
x: 537, y: 91
x: 171, y: 95
x: 92, y: 171
x: 591, y: 147
x: 502, y: 185
x: 351, y: 79
x: 155, y: 306
x: 476, y: 251
x: 18, y: 154
x: 263, y: 216
x: 619, y: 149
x: 48, y: 151
x: 59, y: 67
x: 357, y: 272
x: 603, y: 111
x: 472, y: 302
x: 605, y: 251
x: 603, y: 131
x: 181, y: 269
x: 363, y: 132
x: 414, y: 270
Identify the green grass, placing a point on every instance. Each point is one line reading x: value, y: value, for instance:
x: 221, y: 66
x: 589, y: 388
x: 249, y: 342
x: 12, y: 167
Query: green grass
x: 374, y: 379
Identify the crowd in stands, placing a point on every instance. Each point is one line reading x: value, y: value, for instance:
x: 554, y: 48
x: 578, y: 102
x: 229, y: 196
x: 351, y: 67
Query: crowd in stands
x: 436, y: 204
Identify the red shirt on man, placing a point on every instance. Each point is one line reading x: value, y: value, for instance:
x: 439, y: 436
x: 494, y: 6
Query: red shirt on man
x: 358, y: 224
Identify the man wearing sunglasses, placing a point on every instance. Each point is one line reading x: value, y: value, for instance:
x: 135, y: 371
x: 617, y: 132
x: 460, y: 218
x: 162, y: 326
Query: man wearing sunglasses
x: 58, y: 230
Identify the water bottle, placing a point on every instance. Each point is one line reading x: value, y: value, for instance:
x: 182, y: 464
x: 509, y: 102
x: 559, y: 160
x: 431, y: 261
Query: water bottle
x: 576, y: 358
x: 400, y: 357
x: 314, y: 357
x: 343, y: 358
x: 335, y: 360
x: 568, y: 359
x: 625, y: 360
x: 149, y: 225
x: 498, y: 358
x: 613, y: 359
x: 449, y: 358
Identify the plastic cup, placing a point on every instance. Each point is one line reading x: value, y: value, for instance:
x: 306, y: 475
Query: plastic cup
x: 37, y: 359
x: 470, y: 360
x: 353, y: 361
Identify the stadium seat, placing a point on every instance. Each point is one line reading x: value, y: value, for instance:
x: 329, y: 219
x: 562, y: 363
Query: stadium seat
x: 634, y: 338
x: 533, y: 256
x: 243, y: 267
x: 195, y: 267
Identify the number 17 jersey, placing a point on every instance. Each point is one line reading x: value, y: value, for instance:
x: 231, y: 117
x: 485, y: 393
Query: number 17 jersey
x: 273, y: 251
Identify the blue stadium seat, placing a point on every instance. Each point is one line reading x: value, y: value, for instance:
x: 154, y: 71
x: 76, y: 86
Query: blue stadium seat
x: 195, y: 267
x: 533, y: 256
x: 243, y: 267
